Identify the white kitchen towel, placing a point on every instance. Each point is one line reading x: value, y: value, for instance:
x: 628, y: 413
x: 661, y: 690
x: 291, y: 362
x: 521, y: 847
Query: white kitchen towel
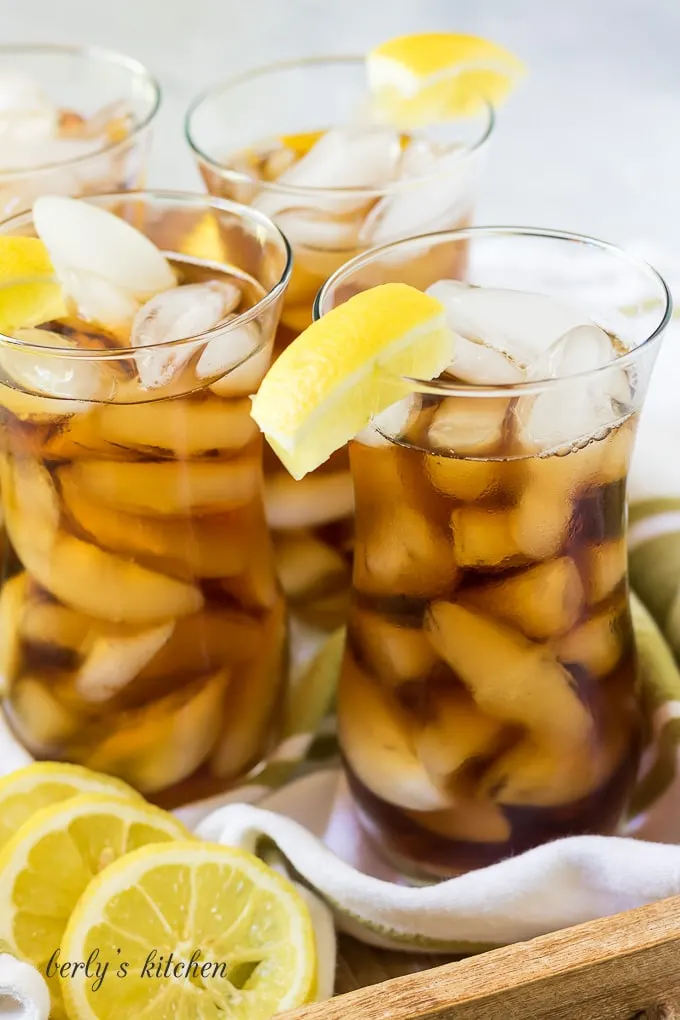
x: 23, y: 992
x: 553, y: 886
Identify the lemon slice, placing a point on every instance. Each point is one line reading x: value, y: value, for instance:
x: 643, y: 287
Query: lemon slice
x: 248, y: 928
x: 28, y: 294
x: 345, y: 368
x: 301, y: 142
x: 48, y: 863
x: 45, y: 783
x: 438, y: 76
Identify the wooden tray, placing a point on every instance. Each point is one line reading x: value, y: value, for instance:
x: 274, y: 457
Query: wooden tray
x: 619, y: 968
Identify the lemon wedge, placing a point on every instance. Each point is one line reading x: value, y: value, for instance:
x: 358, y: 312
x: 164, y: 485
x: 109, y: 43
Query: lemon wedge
x: 346, y: 367
x: 28, y: 293
x: 48, y: 863
x: 28, y: 790
x: 438, y: 76
x: 247, y: 930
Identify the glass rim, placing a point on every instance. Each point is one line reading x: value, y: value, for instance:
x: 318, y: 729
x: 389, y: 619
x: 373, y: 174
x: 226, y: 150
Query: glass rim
x: 94, y: 53
x: 273, y: 187
x: 454, y: 388
x: 243, y: 212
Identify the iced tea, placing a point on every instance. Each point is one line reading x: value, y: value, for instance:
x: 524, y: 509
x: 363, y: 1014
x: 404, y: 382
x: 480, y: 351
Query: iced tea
x: 489, y: 700
x: 145, y: 631
x: 336, y: 185
x: 73, y: 121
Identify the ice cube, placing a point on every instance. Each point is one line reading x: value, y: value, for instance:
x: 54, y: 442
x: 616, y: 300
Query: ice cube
x: 28, y: 143
x: 47, y: 623
x: 167, y: 487
x: 483, y: 538
x: 596, y: 645
x: 377, y: 739
x: 248, y: 719
x: 509, y: 677
x: 471, y: 820
x: 473, y: 360
x: 317, y: 499
x: 73, y: 380
x: 308, y: 567
x: 344, y: 159
x: 319, y: 231
x: 605, y: 568
x: 187, y: 428
x: 404, y: 553
x: 39, y: 410
x: 539, y: 774
x: 185, y: 547
x: 178, y: 314
x: 20, y: 93
x: 393, y: 422
x: 98, y: 300
x: 519, y: 324
x: 244, y: 380
x: 203, y: 642
x: 161, y: 744
x: 32, y: 497
x: 41, y: 722
x: 27, y: 138
x: 469, y: 480
x: 456, y: 733
x: 539, y: 524
x: 79, y: 235
x: 418, y: 206
x: 468, y: 426
x: 114, y: 660
x: 100, y: 583
x: 542, y: 601
x: 256, y: 586
x: 277, y: 162
x: 27, y: 118
x: 13, y: 600
x: 230, y: 351
x: 581, y: 349
x: 579, y: 408
x: 395, y: 654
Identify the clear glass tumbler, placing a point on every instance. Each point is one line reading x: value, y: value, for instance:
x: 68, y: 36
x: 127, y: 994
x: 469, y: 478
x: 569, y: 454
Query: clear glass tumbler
x: 488, y: 700
x: 243, y: 134
x: 74, y: 121
x: 145, y: 632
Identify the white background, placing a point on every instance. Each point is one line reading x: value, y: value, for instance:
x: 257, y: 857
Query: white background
x: 591, y: 142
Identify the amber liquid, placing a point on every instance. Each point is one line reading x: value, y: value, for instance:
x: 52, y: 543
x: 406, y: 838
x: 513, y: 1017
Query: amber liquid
x: 488, y: 700
x: 312, y: 520
x: 147, y: 630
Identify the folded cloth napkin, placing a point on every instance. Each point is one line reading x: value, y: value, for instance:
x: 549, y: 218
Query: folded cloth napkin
x: 295, y: 811
x: 23, y: 992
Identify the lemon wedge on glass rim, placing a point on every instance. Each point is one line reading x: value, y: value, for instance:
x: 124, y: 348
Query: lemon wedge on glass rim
x: 247, y: 930
x: 439, y: 76
x: 345, y: 368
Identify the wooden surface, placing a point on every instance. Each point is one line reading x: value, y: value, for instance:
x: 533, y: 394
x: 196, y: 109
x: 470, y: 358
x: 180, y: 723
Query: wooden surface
x: 618, y: 968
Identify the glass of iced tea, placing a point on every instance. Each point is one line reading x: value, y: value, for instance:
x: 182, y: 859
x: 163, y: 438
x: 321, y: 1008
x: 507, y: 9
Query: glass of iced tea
x: 336, y: 184
x: 488, y: 700
x: 144, y: 630
x: 73, y: 121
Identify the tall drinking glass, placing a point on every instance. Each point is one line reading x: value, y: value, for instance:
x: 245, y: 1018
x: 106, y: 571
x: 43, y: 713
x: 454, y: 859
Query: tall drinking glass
x: 247, y: 134
x: 144, y: 631
x: 73, y: 121
x: 488, y: 700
